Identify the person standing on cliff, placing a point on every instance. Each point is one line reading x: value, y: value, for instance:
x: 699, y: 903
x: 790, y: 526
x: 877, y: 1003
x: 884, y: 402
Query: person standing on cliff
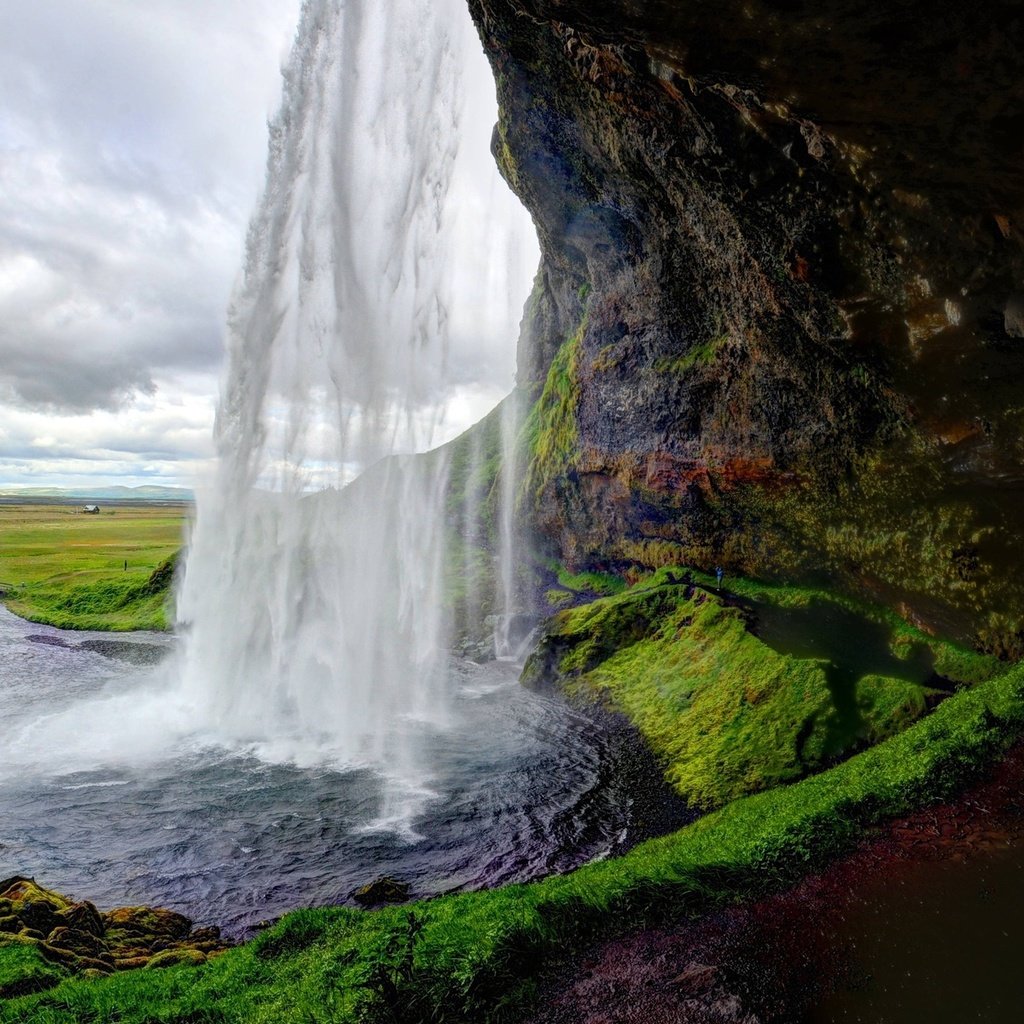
x: 719, y: 574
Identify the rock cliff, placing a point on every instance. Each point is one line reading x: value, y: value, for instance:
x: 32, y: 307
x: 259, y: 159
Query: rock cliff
x: 779, y: 319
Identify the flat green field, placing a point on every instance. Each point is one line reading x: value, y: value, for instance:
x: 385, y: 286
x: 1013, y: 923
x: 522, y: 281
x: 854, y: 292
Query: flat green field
x: 65, y: 567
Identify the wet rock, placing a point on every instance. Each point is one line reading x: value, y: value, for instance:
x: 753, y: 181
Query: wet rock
x: 382, y: 890
x: 1013, y: 316
x: 38, y: 916
x: 79, y: 942
x: 75, y: 936
x: 754, y: 288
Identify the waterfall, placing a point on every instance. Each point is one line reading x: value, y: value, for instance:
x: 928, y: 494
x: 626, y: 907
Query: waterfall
x: 311, y: 605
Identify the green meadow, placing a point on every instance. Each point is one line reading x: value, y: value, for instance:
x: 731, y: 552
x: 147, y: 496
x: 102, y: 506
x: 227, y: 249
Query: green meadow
x: 74, y: 570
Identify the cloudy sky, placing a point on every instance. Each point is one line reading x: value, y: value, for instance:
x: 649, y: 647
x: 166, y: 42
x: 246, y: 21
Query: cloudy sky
x: 132, y: 148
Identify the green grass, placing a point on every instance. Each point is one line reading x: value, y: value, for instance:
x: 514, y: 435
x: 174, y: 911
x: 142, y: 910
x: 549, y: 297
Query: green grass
x: 728, y: 713
x: 65, y: 568
x: 475, y: 956
x: 23, y: 970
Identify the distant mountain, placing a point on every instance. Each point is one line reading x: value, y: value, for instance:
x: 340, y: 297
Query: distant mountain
x: 147, y: 492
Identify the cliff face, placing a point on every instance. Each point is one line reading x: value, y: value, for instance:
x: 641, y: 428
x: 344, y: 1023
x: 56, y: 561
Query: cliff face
x: 779, y: 321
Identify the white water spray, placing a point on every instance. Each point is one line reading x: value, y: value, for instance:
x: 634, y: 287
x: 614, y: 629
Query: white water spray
x: 314, y: 624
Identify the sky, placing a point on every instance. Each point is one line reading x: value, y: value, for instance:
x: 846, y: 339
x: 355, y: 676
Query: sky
x: 132, y: 151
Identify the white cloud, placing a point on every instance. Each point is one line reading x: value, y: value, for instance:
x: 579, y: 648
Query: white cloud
x: 132, y: 149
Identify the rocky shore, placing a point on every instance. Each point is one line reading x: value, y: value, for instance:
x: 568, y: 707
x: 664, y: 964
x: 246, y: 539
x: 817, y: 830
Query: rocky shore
x: 75, y: 937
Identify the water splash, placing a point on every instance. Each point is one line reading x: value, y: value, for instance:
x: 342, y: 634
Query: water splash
x: 509, y: 637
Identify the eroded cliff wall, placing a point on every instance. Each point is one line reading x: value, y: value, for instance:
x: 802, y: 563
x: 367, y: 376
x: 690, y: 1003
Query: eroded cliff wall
x: 779, y: 320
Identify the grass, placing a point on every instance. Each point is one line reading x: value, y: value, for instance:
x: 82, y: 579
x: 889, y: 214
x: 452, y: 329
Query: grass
x: 66, y: 568
x: 471, y: 957
x: 730, y: 712
x: 602, y: 583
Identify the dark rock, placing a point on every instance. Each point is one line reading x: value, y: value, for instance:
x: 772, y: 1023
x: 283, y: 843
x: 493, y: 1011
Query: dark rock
x: 697, y: 979
x: 151, y: 924
x: 82, y: 943
x: 382, y: 890
x: 39, y: 916
x: 83, y: 917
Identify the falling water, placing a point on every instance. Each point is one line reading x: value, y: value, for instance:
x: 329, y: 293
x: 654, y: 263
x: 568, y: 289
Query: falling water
x: 311, y: 604
x: 508, y: 640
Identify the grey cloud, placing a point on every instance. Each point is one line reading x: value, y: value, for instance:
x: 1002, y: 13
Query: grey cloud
x: 131, y: 142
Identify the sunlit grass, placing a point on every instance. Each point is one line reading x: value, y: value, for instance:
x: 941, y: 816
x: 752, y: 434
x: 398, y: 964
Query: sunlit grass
x: 61, y: 566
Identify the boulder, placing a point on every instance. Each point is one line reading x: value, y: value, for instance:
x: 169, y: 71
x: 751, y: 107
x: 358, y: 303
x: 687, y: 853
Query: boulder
x: 177, y: 958
x: 83, y: 917
x: 151, y: 924
x: 382, y: 890
x: 80, y: 942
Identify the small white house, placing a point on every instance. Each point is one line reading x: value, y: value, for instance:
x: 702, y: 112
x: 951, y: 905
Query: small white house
x: 93, y: 510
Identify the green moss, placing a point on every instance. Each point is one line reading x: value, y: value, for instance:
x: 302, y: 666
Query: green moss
x: 23, y: 969
x: 555, y: 598
x: 603, y: 583
x: 699, y: 355
x: 900, y: 522
x: 728, y: 712
x: 550, y: 432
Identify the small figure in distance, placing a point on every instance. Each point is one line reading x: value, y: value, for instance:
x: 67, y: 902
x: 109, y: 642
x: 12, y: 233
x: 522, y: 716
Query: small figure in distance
x: 126, y: 565
x: 719, y: 573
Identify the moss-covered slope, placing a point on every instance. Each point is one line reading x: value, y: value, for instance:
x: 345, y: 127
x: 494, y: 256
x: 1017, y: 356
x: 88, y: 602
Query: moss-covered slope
x: 470, y: 958
x: 745, y: 689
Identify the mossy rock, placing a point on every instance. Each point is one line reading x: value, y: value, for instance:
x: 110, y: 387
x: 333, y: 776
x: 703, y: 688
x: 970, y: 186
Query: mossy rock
x: 728, y: 711
x: 147, y: 923
x: 81, y: 943
x: 381, y: 891
x: 18, y: 891
x: 83, y: 917
x: 177, y: 958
